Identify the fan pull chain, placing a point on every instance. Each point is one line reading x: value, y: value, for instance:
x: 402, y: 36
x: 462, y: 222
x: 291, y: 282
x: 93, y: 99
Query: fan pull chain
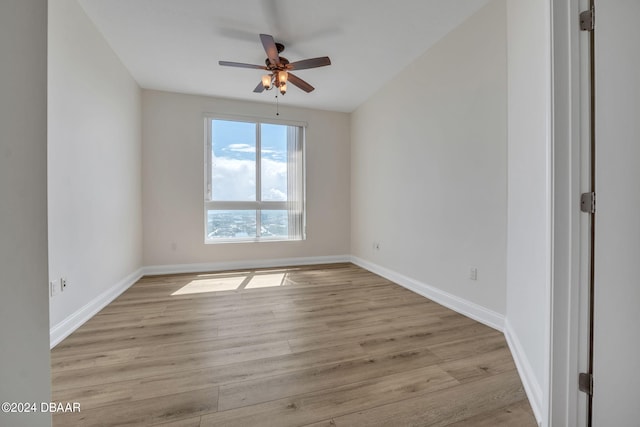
x: 277, y: 106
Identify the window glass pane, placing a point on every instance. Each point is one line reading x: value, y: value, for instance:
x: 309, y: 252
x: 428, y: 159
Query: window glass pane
x: 250, y: 169
x: 274, y: 224
x: 231, y: 224
x: 274, y: 162
x: 233, y: 161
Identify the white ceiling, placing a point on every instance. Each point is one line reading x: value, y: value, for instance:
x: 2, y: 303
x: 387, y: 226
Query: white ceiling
x: 175, y: 45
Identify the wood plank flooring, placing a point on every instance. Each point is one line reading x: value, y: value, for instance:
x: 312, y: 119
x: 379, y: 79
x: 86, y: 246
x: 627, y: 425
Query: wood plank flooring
x: 331, y: 345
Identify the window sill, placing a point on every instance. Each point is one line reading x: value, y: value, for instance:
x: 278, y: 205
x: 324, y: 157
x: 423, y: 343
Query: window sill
x: 262, y: 240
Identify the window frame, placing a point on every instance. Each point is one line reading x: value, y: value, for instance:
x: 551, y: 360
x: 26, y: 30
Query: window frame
x: 258, y: 205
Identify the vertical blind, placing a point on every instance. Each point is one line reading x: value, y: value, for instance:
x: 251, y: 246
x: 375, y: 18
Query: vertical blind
x: 295, y: 182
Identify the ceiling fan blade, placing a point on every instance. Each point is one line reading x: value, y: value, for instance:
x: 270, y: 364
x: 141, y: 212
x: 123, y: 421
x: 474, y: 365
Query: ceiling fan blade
x: 300, y: 83
x: 259, y: 88
x: 241, y: 65
x: 310, y: 63
x: 271, y: 49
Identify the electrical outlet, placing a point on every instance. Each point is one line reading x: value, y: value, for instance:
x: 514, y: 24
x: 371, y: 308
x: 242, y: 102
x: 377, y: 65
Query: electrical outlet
x: 63, y: 284
x: 473, y: 273
x: 54, y: 288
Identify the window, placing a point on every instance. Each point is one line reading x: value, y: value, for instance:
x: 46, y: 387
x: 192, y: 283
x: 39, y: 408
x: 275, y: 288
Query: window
x: 254, y: 181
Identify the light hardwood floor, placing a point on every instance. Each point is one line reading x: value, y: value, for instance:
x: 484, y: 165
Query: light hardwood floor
x: 331, y: 345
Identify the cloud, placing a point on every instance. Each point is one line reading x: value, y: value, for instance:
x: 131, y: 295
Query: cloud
x: 274, y: 180
x: 273, y: 194
x: 246, y: 148
x: 234, y: 179
x: 241, y: 148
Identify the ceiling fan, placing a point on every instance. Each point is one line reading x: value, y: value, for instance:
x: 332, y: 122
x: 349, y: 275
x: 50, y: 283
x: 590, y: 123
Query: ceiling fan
x: 279, y: 67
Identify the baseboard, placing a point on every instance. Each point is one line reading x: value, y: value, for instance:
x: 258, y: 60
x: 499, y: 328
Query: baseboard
x: 527, y: 376
x: 72, y: 322
x: 460, y: 305
x: 155, y: 270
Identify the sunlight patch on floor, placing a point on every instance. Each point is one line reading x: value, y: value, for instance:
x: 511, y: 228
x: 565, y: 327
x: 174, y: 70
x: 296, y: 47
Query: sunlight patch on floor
x: 210, y: 285
x: 231, y: 282
x: 265, y: 281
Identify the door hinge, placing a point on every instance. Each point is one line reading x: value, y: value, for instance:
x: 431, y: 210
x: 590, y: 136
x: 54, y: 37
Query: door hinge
x: 587, y: 20
x: 585, y: 383
x: 588, y: 202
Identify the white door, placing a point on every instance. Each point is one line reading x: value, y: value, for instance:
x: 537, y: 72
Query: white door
x: 616, y: 398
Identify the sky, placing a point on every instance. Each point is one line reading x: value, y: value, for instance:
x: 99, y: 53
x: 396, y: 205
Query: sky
x: 234, y: 161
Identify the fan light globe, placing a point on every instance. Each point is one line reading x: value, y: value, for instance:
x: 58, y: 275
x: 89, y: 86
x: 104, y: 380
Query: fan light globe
x: 282, y: 77
x: 266, y: 81
x: 283, y: 88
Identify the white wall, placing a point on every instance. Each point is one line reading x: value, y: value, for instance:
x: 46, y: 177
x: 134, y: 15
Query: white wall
x: 173, y: 182
x: 95, y: 230
x: 617, y: 222
x: 529, y: 194
x: 24, y: 321
x: 428, y: 167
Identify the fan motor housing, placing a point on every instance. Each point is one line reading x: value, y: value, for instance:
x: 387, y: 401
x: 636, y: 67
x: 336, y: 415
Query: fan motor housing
x: 283, y: 61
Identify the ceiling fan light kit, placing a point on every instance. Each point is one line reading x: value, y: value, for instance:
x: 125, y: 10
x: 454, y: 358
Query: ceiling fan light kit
x: 277, y: 79
x: 280, y: 68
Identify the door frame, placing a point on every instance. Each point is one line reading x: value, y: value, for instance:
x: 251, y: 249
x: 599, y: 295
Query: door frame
x: 570, y: 228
